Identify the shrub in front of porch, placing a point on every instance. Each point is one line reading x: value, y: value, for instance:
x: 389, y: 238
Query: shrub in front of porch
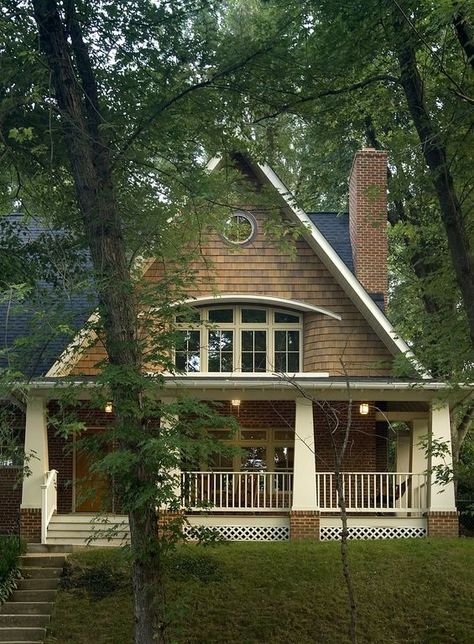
x: 11, y: 548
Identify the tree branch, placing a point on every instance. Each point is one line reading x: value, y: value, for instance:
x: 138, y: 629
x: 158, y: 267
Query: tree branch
x: 330, y: 92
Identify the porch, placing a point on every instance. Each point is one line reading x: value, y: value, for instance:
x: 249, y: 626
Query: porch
x: 281, y: 484
x: 256, y: 506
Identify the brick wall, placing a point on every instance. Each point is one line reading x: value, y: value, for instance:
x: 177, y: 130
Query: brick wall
x: 368, y: 219
x: 10, y: 499
x: 261, y: 413
x: 11, y: 481
x: 304, y: 525
x: 30, y: 525
x: 442, y: 524
x: 61, y: 459
x: 366, y: 450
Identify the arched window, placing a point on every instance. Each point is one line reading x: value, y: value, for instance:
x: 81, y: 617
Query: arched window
x: 246, y: 339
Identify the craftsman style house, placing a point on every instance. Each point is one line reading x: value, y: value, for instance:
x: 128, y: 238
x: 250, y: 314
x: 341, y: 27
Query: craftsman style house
x: 275, y: 313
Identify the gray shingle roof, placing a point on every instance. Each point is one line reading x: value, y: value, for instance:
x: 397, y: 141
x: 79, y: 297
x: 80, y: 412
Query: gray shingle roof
x: 34, y: 330
x: 334, y: 227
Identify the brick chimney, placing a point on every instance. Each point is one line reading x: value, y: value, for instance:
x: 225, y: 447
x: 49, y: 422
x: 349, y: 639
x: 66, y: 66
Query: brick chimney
x: 368, y: 219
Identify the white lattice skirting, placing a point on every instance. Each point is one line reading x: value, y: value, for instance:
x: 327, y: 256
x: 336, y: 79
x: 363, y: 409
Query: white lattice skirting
x: 332, y: 533
x: 250, y: 533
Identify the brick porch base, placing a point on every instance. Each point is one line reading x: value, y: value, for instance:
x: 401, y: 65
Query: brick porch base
x: 442, y: 524
x: 304, y: 525
x: 30, y: 524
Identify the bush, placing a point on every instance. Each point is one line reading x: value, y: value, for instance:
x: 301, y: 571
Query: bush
x: 10, y: 550
x: 102, y: 572
x: 99, y: 572
x: 183, y: 566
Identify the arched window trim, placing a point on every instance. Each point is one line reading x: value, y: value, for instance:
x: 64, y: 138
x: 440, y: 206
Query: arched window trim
x: 259, y: 300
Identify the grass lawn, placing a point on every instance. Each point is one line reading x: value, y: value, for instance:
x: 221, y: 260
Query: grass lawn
x: 419, y: 590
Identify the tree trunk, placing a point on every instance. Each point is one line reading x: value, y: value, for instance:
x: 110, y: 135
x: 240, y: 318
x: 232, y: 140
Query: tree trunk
x: 434, y: 152
x: 465, y: 34
x: 147, y: 579
x: 77, y: 97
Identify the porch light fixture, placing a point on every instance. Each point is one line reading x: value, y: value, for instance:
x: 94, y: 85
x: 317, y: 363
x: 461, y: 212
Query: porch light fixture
x: 235, y: 403
x: 108, y: 407
x: 364, y: 409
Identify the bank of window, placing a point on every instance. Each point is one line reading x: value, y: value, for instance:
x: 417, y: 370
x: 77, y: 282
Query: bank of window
x: 260, y: 450
x: 239, y: 339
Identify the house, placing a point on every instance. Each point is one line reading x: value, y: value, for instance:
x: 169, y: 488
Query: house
x: 273, y: 313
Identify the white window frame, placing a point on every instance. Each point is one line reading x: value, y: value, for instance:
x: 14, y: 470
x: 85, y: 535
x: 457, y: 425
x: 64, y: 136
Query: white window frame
x: 237, y: 326
x: 270, y: 443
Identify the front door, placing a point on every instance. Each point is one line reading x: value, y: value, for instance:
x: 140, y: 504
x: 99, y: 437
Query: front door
x: 93, y: 490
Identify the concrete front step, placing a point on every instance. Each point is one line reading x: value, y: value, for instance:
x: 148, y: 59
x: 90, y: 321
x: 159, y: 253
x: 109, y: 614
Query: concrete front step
x: 31, y: 572
x: 23, y: 620
x: 82, y: 543
x: 46, y: 560
x: 38, y: 584
x: 26, y: 608
x: 54, y: 533
x: 34, y: 595
x: 92, y: 519
x: 42, y: 548
x: 22, y: 634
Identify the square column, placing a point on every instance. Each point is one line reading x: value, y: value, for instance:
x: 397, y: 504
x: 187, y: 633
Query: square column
x: 304, y: 516
x: 419, y: 462
x: 442, y: 515
x: 174, y: 473
x: 36, y: 450
x: 420, y: 430
x: 403, y: 451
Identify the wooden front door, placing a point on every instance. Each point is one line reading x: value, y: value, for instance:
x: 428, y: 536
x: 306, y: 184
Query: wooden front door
x: 93, y: 491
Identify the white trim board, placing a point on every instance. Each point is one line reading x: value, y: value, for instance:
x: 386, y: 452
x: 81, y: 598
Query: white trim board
x: 248, y: 298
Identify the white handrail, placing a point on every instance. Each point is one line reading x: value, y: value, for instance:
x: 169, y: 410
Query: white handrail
x: 237, y: 491
x: 380, y: 492
x: 48, y: 501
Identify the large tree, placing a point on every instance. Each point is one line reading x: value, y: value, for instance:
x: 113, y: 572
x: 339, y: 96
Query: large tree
x: 123, y: 103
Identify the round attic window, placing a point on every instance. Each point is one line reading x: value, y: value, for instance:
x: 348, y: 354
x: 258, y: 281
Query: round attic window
x: 240, y: 228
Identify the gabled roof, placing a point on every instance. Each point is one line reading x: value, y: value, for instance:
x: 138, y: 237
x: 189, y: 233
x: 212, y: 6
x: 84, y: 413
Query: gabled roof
x: 327, y: 233
x: 331, y: 259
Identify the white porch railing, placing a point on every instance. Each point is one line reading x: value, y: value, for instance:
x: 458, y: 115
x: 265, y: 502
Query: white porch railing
x: 237, y: 491
x: 369, y: 492
x: 48, y: 501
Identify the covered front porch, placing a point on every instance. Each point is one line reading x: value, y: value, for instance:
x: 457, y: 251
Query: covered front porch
x: 287, y: 488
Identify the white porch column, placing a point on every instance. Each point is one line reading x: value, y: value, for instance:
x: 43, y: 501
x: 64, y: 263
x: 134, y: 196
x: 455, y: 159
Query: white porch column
x: 441, y: 496
x: 36, y: 449
x: 419, y: 462
x: 174, y: 472
x: 420, y: 429
x: 403, y: 451
x: 304, y: 473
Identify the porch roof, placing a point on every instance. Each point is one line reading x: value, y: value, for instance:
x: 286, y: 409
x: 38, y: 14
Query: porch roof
x: 262, y: 385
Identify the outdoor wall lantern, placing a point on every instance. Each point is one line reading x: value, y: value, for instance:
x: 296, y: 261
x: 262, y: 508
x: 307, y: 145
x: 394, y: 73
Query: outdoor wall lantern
x: 364, y: 409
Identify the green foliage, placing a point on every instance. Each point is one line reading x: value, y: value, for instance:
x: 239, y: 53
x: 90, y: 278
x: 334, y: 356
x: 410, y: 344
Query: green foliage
x: 100, y: 573
x: 465, y: 483
x: 11, y: 547
x: 104, y: 572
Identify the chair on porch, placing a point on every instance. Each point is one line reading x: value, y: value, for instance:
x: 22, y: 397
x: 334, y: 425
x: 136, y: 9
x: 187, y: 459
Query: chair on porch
x: 387, y: 498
